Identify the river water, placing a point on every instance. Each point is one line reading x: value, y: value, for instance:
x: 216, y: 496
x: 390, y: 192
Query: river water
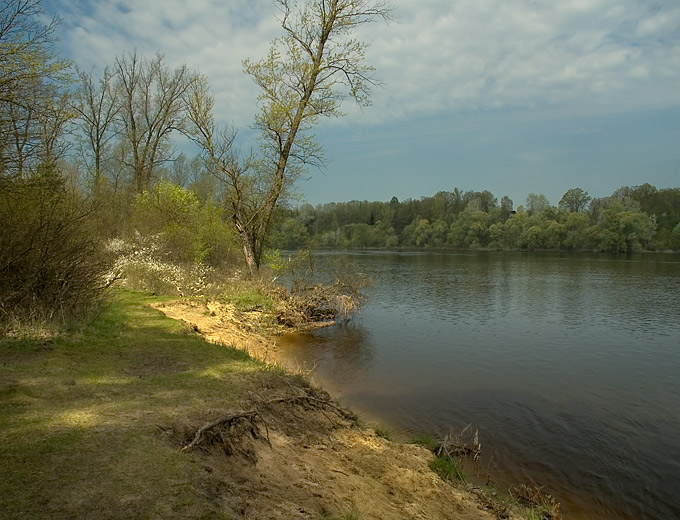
x: 567, y: 364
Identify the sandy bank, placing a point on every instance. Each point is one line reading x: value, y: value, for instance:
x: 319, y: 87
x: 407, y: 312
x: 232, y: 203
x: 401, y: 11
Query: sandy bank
x: 314, y: 462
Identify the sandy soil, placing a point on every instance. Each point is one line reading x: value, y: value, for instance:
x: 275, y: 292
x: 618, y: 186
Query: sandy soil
x: 305, y: 462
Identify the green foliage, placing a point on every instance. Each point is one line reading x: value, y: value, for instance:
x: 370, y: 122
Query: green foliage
x: 624, y: 230
x: 189, y: 231
x: 537, y: 203
x: 631, y: 219
x: 448, y: 469
x: 675, y: 238
x: 252, y: 300
x: 294, y: 235
x: 52, y: 264
x: 428, y: 441
x: 574, y: 200
x: 272, y: 260
x: 383, y: 433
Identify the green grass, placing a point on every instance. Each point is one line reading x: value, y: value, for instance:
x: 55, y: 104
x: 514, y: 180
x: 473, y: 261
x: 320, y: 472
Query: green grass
x: 448, y: 469
x: 86, y: 417
x: 251, y: 301
x: 383, y: 433
x: 429, y: 441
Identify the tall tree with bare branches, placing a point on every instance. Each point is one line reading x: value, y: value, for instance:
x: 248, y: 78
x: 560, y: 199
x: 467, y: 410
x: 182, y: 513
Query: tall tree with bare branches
x: 97, y: 108
x: 309, y: 71
x: 33, y: 109
x: 151, y: 107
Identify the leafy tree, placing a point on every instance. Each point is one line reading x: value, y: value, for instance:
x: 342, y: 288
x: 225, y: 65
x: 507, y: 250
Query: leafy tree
x: 533, y: 237
x: 294, y: 234
x: 574, y: 200
x: 554, y: 234
x: 306, y: 75
x: 51, y: 260
x: 577, y: 235
x: 189, y: 231
x: 514, y: 229
x: 471, y: 228
x: 537, y: 203
x: 422, y: 233
x: 624, y: 230
x: 505, y: 209
x: 675, y: 238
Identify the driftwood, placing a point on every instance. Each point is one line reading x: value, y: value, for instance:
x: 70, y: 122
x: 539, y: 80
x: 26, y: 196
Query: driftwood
x: 456, y: 445
x: 216, y: 427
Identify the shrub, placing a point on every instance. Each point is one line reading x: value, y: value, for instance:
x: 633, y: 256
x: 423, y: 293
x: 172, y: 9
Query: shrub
x: 186, y: 230
x: 139, y: 264
x: 52, y: 263
x: 331, y: 293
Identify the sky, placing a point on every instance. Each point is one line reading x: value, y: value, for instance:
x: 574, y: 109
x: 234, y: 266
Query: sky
x: 527, y: 96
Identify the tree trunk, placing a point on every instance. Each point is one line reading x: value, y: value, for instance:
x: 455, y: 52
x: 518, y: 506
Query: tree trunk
x: 250, y: 253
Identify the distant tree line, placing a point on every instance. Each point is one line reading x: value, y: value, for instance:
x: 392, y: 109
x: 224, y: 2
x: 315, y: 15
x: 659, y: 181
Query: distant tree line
x: 632, y: 218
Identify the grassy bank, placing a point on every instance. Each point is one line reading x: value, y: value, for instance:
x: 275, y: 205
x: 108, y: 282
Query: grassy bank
x: 92, y: 422
x: 83, y: 416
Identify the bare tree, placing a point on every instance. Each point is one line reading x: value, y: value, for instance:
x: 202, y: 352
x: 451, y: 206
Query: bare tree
x: 97, y: 108
x: 308, y: 73
x: 32, y: 110
x: 150, y: 109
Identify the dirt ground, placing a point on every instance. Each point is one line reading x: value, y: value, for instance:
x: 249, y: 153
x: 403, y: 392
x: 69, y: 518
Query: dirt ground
x: 297, y: 455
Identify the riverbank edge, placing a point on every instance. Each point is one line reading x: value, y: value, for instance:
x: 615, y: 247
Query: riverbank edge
x: 218, y: 323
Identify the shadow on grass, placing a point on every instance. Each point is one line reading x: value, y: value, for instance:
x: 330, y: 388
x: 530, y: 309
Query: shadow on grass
x: 82, y: 416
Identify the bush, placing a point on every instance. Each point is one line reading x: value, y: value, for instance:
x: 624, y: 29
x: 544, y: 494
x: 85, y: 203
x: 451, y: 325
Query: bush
x: 140, y: 264
x: 332, y: 293
x: 186, y: 230
x: 52, y: 263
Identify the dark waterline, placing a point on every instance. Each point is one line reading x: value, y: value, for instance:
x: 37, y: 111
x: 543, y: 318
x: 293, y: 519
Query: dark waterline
x: 568, y: 365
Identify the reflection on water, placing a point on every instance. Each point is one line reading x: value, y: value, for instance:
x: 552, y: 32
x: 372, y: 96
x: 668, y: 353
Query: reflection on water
x: 568, y: 365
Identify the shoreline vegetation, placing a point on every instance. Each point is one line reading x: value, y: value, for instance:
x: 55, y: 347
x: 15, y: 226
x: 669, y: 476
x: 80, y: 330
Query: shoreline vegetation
x: 108, y: 408
x: 637, y: 218
x: 189, y: 415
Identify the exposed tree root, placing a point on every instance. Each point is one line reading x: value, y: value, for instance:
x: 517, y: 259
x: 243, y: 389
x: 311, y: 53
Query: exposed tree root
x: 213, y: 428
x: 221, y: 430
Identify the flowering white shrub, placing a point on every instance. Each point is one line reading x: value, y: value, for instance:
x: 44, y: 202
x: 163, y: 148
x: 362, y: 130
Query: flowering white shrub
x: 138, y: 265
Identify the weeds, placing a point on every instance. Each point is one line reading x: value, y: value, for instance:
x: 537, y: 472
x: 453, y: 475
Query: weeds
x: 448, y: 469
x: 428, y: 441
x: 541, y: 506
x: 383, y: 433
x: 527, y: 502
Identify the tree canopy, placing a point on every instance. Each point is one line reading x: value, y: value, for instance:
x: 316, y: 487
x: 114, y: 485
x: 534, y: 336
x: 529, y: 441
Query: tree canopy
x: 632, y: 218
x: 307, y: 74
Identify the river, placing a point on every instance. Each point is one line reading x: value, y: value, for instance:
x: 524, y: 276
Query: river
x: 567, y: 364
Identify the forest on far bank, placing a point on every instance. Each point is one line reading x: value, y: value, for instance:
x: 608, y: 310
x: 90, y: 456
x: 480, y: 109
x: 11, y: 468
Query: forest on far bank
x: 630, y: 219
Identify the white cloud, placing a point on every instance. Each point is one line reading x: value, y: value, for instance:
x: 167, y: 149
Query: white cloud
x: 460, y: 55
x: 441, y: 56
